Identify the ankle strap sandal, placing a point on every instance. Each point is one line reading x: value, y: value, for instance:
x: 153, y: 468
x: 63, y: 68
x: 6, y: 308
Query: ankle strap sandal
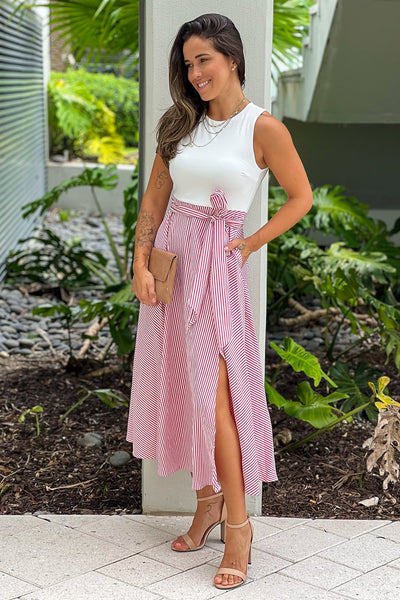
x: 229, y: 571
x: 188, y: 540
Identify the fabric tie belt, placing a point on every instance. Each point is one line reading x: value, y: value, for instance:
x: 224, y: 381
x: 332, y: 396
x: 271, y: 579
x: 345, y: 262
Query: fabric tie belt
x: 212, y: 265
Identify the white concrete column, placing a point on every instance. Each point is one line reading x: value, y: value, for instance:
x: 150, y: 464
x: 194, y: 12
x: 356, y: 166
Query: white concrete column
x: 160, y: 21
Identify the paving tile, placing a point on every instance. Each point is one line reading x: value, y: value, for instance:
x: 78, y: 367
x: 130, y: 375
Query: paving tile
x: 262, y: 564
x: 10, y: 524
x: 364, y: 553
x: 195, y: 584
x: 174, y: 525
x: 127, y: 533
x: 181, y: 560
x: 395, y: 564
x: 279, y: 587
x: 389, y: 532
x: 320, y: 572
x: 49, y: 553
x: 281, y: 522
x: 74, y: 521
x: 261, y: 530
x: 91, y: 586
x: 380, y: 584
x: 298, y: 542
x: 139, y: 570
x: 11, y: 587
x: 348, y: 528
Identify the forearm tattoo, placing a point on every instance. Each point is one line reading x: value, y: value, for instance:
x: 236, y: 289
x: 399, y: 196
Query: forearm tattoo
x: 161, y: 179
x: 241, y: 246
x: 145, y: 231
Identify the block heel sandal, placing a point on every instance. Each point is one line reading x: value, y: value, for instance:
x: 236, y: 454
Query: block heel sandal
x: 229, y: 571
x: 188, y: 540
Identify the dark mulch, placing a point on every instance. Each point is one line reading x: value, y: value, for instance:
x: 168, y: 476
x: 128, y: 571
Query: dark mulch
x: 53, y: 473
x: 327, y: 478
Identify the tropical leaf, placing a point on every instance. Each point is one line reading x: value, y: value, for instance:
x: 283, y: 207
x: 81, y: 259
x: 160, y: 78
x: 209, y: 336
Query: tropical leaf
x: 301, y: 360
x: 396, y: 227
x: 352, y: 385
x: 391, y: 342
x: 366, y: 264
x: 94, y: 26
x: 105, y: 178
x: 312, y: 408
x: 109, y: 149
x: 334, y: 212
x: 274, y: 397
x: 290, y: 25
x: 383, y: 399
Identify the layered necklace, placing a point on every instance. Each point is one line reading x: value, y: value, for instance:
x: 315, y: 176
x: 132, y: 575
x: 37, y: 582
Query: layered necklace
x: 217, y: 128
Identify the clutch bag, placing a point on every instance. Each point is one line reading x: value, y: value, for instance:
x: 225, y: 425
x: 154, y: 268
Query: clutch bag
x: 162, y: 265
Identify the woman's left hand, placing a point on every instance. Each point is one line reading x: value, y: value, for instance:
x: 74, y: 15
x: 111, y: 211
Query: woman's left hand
x: 242, y: 245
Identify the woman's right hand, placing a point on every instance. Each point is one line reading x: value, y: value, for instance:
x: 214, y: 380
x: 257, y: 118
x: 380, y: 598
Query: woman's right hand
x: 145, y: 287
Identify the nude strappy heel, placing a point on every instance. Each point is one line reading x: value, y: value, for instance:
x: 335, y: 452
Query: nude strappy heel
x: 222, y: 520
x: 227, y: 570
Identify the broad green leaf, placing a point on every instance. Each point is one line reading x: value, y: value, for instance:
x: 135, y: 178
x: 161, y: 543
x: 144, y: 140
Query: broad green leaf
x: 301, y: 360
x: 352, y: 385
x: 313, y: 407
x: 332, y: 209
x: 364, y: 263
x: 274, y: 397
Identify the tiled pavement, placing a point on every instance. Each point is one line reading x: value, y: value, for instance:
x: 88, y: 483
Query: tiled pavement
x: 74, y: 557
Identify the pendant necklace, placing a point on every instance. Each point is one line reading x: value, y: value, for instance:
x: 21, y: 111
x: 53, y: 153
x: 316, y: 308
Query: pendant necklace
x: 217, y: 132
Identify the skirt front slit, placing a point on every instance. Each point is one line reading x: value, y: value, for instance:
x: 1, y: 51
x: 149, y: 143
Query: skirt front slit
x: 175, y: 367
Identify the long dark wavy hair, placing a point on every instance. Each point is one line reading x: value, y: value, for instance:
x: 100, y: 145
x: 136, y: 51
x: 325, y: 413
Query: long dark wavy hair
x: 188, y: 108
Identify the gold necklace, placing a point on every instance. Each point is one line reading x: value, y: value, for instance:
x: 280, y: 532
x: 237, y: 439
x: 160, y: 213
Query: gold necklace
x: 215, y: 133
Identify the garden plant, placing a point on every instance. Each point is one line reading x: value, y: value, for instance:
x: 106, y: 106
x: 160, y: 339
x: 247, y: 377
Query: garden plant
x: 353, y: 271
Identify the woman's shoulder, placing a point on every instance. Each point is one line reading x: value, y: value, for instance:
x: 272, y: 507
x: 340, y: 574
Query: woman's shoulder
x: 268, y: 125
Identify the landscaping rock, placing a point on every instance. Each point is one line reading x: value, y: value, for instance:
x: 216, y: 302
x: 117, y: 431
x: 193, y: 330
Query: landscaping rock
x: 120, y: 458
x: 11, y: 344
x: 26, y: 343
x: 90, y: 440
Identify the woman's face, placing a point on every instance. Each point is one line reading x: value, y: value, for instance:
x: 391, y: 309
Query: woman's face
x: 210, y: 72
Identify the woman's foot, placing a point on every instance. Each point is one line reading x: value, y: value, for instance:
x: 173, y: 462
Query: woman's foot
x: 237, y: 545
x: 207, y: 513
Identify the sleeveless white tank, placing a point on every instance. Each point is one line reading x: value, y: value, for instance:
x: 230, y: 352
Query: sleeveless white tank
x: 225, y: 161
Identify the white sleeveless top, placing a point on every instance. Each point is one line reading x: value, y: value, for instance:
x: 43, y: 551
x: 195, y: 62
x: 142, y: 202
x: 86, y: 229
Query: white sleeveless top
x: 227, y: 162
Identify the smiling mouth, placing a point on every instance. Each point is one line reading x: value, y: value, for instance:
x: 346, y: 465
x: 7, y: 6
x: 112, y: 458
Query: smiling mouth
x: 202, y: 85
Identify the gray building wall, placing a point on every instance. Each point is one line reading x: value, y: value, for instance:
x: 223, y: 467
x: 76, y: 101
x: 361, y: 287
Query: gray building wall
x: 361, y: 157
x: 23, y: 122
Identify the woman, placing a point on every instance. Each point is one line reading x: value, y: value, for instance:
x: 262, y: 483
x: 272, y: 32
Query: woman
x: 198, y: 400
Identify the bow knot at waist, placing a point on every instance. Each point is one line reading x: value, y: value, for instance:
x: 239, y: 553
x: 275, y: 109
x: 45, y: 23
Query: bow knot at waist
x: 212, y: 270
x: 218, y: 210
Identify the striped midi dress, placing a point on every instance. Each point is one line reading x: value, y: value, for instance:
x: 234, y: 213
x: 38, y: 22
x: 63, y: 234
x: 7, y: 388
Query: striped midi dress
x: 175, y: 366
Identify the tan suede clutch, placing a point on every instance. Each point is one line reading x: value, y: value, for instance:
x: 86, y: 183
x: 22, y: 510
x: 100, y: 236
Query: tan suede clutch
x: 163, y: 266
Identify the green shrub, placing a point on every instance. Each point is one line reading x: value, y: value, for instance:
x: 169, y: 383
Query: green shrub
x: 119, y: 94
x: 86, y: 107
x: 69, y: 265
x: 357, y: 276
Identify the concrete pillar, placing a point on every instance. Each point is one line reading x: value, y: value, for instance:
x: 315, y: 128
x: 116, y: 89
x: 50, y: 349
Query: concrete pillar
x: 160, y: 21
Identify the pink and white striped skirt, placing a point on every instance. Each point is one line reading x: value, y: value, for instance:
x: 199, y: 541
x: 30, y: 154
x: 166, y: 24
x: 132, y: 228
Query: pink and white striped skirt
x: 175, y: 367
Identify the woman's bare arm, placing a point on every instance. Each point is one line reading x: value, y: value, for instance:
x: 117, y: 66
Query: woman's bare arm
x: 274, y: 148
x: 152, y: 211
